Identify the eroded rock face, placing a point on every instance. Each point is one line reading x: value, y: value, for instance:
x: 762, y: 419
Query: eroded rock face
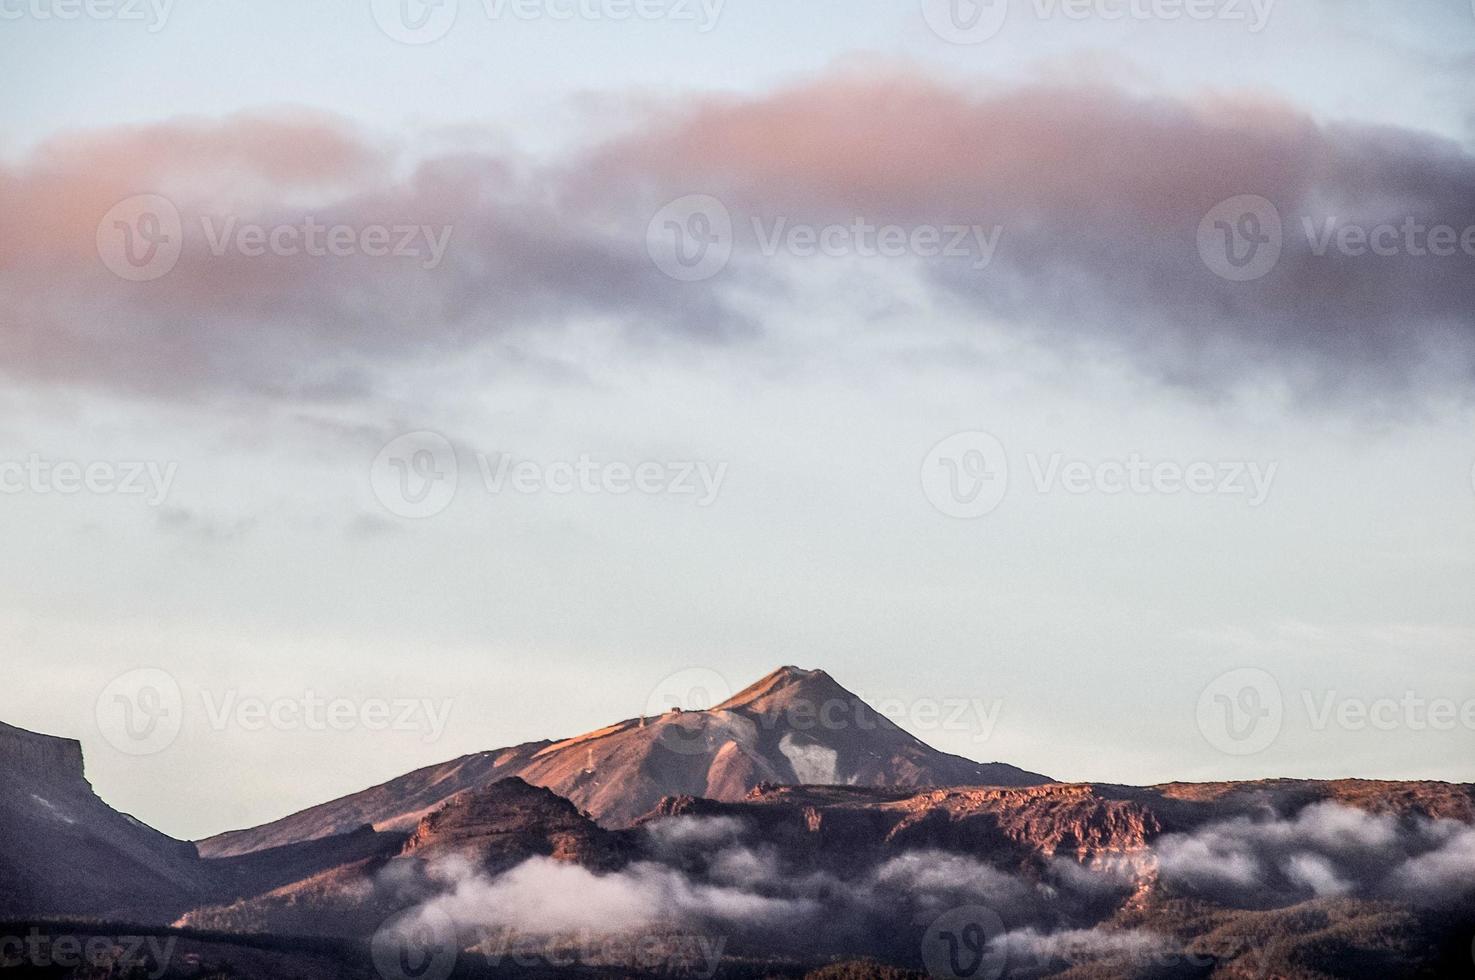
x: 1422, y: 798
x: 1022, y: 825
x: 509, y: 822
x: 1068, y: 821
x: 36, y: 756
x: 1009, y: 826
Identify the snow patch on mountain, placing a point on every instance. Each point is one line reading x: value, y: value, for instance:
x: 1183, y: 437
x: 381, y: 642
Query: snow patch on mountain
x: 813, y: 764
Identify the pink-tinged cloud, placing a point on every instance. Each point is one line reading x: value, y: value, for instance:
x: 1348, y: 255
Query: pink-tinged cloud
x: 53, y: 199
x: 439, y: 256
x: 1099, y: 196
x: 1097, y: 199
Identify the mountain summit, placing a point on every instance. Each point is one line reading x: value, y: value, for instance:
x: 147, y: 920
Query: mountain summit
x: 784, y: 687
x: 793, y: 726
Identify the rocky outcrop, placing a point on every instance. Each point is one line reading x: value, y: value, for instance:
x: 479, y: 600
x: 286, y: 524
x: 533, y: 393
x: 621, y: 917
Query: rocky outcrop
x: 66, y: 852
x: 1009, y: 826
x: 41, y: 757
x: 511, y: 821
x: 1424, y: 798
x: 1083, y: 821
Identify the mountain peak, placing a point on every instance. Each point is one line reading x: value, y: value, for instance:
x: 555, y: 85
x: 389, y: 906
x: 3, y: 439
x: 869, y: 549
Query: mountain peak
x: 793, y: 726
x: 785, y: 685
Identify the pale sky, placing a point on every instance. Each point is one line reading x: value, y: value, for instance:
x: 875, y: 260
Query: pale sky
x: 812, y: 388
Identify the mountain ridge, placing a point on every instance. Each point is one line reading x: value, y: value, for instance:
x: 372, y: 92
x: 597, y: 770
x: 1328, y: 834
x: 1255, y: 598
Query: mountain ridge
x: 791, y: 726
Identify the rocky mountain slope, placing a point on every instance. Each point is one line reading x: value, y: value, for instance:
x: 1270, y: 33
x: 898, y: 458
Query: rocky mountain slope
x: 490, y: 830
x: 854, y: 847
x: 67, y: 852
x: 801, y: 828
x: 64, y: 852
x: 793, y: 726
